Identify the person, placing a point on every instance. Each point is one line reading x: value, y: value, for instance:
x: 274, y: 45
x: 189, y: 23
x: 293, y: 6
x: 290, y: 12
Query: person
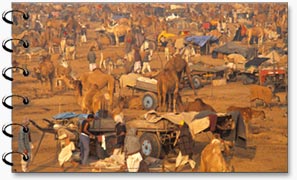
x: 185, y: 144
x: 84, y: 139
x: 169, y: 51
x: 137, y: 60
x: 100, y: 48
x: 66, y: 153
x: 83, y: 34
x: 129, y: 41
x: 147, y: 56
x: 132, y: 150
x: 188, y: 52
x: 92, y: 58
x: 120, y: 128
x: 25, y: 145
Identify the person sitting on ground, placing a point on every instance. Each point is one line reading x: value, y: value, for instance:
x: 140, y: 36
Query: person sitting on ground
x: 185, y: 144
x: 66, y: 153
x: 132, y: 150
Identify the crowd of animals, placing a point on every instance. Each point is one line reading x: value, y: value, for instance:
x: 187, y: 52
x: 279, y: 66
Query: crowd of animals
x: 57, y: 29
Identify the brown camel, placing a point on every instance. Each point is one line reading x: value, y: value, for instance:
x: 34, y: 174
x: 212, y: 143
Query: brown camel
x: 45, y: 72
x: 97, y: 77
x: 169, y: 79
x: 255, y: 32
x: 167, y: 85
x: 212, y: 159
x: 118, y: 30
x: 198, y: 105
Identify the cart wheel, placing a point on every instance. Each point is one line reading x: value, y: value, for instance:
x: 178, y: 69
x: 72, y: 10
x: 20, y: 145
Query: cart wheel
x: 149, y: 101
x: 196, y: 82
x: 150, y: 145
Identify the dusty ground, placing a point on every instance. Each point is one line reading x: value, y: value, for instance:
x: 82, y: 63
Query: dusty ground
x: 267, y: 149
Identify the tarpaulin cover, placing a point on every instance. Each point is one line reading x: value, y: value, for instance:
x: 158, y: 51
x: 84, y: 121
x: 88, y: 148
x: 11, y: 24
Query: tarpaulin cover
x: 200, y: 40
x: 255, y: 62
x: 69, y: 115
x: 235, y: 48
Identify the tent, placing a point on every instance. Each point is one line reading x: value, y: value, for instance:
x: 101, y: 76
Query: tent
x: 235, y: 48
x: 202, y: 41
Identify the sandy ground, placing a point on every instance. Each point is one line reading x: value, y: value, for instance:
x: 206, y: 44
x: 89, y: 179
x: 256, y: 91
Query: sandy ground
x: 267, y: 149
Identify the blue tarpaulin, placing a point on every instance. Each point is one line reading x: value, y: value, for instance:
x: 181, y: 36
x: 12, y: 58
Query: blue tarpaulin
x: 69, y: 115
x: 200, y: 40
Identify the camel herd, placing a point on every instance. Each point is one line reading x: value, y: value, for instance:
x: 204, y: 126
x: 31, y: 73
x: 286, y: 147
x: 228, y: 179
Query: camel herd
x: 97, y: 90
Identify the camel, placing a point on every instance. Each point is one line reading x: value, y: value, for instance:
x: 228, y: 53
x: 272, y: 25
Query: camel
x: 255, y: 32
x: 169, y: 79
x: 118, y: 30
x: 101, y: 80
x: 85, y: 100
x: 100, y: 101
x: 167, y: 85
x: 45, y: 71
x: 198, y: 105
x: 212, y: 159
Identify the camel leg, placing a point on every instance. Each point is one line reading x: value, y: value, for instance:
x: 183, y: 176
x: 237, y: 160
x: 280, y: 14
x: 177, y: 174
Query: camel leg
x: 163, y: 99
x: 159, y: 100
x: 116, y: 39
x: 169, y: 102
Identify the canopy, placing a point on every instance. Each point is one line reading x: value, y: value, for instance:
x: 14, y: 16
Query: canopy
x: 166, y: 35
x: 200, y: 40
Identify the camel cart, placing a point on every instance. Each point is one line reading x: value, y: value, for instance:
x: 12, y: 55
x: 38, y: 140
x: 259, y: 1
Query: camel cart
x: 158, y: 132
x: 149, y: 87
x: 204, y: 75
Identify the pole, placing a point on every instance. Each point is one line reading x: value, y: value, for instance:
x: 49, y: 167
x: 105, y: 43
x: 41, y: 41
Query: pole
x: 38, y: 146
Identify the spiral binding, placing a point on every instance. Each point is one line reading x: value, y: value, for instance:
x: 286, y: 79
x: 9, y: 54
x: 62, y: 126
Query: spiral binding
x: 26, y: 73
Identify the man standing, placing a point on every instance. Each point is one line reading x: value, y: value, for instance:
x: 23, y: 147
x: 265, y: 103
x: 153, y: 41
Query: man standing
x: 24, y: 143
x: 92, y: 58
x: 147, y: 56
x: 84, y: 139
x: 185, y: 144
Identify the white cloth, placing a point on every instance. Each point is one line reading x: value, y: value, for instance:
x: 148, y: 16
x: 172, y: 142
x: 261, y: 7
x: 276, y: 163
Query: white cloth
x: 103, y: 144
x: 24, y: 164
x: 92, y: 66
x: 137, y: 66
x: 145, y: 66
x: 83, y: 38
x: 66, y: 153
x: 182, y: 160
x: 118, y: 156
x: 133, y: 162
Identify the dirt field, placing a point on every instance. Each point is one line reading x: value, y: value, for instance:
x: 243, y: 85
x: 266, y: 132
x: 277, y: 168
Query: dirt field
x: 267, y: 149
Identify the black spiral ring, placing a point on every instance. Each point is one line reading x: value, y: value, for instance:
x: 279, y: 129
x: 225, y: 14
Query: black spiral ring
x: 26, y: 16
x: 24, y: 42
x: 25, y: 129
x: 25, y: 100
x: 25, y: 72
x: 25, y: 157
